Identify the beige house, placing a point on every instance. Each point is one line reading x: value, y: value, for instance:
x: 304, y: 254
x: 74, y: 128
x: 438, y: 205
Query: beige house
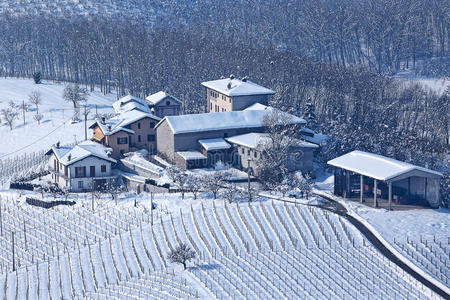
x: 81, y: 168
x: 232, y: 94
x: 248, y: 150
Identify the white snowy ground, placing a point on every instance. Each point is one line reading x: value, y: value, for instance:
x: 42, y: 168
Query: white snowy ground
x: 57, y: 115
x: 438, y: 85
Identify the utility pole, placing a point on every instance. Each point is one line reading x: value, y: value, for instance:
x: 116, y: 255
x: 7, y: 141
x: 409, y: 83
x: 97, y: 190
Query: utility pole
x: 248, y: 173
x: 151, y: 207
x: 1, y: 222
x: 86, y: 113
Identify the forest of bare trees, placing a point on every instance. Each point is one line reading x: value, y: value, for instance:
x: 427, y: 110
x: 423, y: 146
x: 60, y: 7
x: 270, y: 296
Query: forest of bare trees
x: 335, y: 57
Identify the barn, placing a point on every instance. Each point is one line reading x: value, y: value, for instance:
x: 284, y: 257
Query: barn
x: 358, y: 175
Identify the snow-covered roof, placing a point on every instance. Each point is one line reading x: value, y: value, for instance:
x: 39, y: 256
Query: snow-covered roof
x: 257, y: 106
x: 237, y: 87
x: 220, y: 121
x: 375, y: 166
x: 120, y: 121
x: 214, y: 144
x: 137, y: 159
x: 69, y: 155
x: 255, y: 139
x: 191, y: 155
x: 129, y: 103
x: 159, y: 96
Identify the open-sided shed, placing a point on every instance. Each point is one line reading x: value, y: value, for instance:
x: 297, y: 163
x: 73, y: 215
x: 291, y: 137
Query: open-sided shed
x: 360, y: 173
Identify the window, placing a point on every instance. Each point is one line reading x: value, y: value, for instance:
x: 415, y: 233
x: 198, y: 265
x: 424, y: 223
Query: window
x: 80, y: 172
x: 151, y: 138
x: 211, y: 106
x: 122, y: 152
x: 168, y: 103
x: 139, y: 138
x: 242, y: 150
x: 122, y: 140
x: 66, y: 171
x: 139, y: 125
x: 152, y: 124
x: 225, y: 135
x: 249, y: 152
x: 80, y: 184
x: 103, y: 168
x: 255, y: 154
x: 92, y: 171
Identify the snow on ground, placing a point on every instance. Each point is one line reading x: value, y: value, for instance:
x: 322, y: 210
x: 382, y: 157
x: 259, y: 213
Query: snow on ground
x: 438, y: 85
x: 57, y: 114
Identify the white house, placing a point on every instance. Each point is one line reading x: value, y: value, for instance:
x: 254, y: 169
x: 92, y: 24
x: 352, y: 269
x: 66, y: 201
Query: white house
x: 83, y: 167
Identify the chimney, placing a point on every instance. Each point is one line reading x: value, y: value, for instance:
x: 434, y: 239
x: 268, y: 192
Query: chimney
x: 58, y: 145
x: 245, y: 78
x: 109, y: 127
x: 69, y: 157
x: 229, y: 85
x: 231, y: 76
x: 108, y: 153
x: 153, y: 111
x: 103, y: 120
x: 121, y: 103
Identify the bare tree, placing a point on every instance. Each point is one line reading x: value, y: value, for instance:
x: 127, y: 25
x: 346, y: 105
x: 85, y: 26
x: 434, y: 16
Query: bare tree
x: 214, y: 182
x: 231, y: 192
x: 9, y: 115
x: 24, y: 107
x: 74, y: 94
x: 306, y: 185
x: 181, y: 255
x: 193, y: 184
x: 35, y: 99
x: 38, y: 118
x: 178, y: 177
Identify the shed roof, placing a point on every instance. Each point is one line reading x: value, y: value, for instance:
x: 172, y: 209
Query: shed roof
x: 376, y: 166
x: 191, y: 155
x: 220, y: 121
x: 237, y: 87
x: 214, y: 144
x: 255, y: 139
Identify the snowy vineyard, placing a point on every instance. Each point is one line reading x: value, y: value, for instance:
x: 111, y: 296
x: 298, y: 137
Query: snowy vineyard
x: 431, y: 253
x: 21, y: 165
x: 259, y: 250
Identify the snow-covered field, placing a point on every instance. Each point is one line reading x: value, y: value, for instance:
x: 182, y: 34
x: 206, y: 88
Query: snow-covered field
x: 263, y: 250
x: 57, y: 114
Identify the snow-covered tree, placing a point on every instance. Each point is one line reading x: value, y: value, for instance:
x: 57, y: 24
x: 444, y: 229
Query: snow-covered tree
x: 310, y: 115
x: 178, y: 177
x: 306, y: 185
x: 193, y: 184
x: 24, y: 107
x: 38, y: 118
x: 75, y: 94
x: 35, y: 99
x: 181, y: 254
x: 9, y: 115
x: 214, y: 182
x: 37, y: 77
x: 231, y: 192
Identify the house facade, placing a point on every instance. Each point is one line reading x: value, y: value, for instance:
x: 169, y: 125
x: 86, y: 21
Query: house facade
x: 163, y: 104
x: 84, y: 167
x: 232, y: 94
x: 126, y: 132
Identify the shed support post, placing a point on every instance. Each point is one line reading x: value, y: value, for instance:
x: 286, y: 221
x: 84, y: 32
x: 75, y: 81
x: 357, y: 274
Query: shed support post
x: 361, y: 188
x: 375, y: 201
x: 390, y: 195
x: 347, y: 184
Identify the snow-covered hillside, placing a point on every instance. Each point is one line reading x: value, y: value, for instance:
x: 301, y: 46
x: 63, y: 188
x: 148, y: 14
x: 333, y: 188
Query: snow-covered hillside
x: 55, y: 126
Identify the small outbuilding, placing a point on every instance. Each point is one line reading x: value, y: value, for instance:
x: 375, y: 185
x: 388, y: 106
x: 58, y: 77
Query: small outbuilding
x: 360, y: 174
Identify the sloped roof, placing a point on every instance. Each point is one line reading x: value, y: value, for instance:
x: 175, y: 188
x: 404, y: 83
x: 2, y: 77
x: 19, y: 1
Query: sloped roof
x: 237, y: 87
x: 214, y: 144
x: 220, y: 121
x: 191, y: 155
x: 129, y: 103
x: 255, y: 139
x: 375, y: 166
x: 257, y: 106
x: 120, y: 121
x: 81, y: 151
x: 159, y: 96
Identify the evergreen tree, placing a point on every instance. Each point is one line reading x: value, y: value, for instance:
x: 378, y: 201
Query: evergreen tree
x: 37, y: 77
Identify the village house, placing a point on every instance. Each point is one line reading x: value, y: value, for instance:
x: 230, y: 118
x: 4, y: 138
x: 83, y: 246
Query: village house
x: 199, y: 140
x: 81, y: 168
x: 360, y: 175
x: 232, y: 94
x: 248, y: 150
x: 126, y: 132
x: 163, y: 104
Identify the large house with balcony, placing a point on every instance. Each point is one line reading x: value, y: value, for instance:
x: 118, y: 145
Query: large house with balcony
x: 82, y: 168
x: 231, y: 94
